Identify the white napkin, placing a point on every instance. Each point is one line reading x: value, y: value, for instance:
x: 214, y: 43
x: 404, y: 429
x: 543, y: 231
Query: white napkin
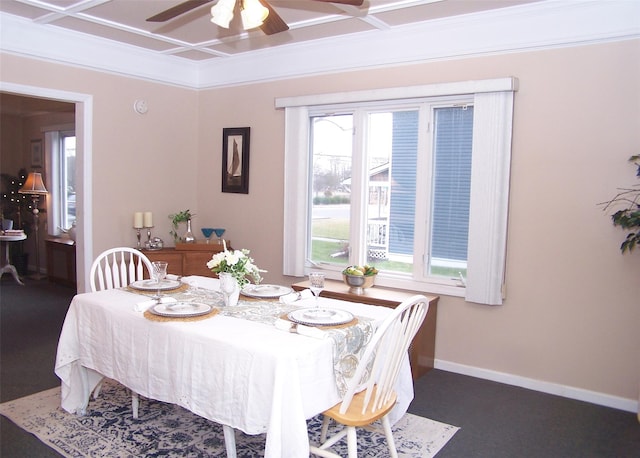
x: 292, y: 297
x: 310, y: 331
x: 142, y: 306
x: 173, y: 277
x: 196, y: 281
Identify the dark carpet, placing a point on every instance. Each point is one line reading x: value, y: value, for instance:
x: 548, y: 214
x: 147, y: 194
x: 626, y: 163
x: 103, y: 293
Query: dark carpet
x: 496, y: 420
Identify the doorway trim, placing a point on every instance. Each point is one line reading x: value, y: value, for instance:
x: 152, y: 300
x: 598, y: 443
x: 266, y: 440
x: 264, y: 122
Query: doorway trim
x: 84, y: 135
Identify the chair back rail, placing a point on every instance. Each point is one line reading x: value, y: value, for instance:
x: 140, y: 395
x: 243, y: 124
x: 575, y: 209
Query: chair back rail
x: 381, y: 362
x: 118, y: 267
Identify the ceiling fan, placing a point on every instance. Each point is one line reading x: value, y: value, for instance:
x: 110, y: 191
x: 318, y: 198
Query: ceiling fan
x: 273, y: 23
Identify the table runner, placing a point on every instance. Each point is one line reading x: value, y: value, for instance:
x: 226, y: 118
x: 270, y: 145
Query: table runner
x: 349, y: 342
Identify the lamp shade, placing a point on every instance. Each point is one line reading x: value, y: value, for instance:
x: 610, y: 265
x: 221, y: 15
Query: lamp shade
x: 33, y: 185
x: 222, y: 12
x: 253, y: 14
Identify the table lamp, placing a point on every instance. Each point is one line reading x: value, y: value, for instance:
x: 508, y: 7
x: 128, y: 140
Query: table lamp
x: 35, y: 187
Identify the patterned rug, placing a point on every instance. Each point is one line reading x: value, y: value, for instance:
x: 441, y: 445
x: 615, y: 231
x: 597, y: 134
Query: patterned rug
x: 166, y: 430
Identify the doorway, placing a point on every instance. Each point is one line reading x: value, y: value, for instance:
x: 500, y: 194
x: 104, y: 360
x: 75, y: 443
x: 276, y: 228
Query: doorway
x: 36, y: 100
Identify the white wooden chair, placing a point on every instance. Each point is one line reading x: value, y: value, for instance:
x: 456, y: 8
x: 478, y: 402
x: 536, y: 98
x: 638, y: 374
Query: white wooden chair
x: 116, y: 268
x: 371, y: 397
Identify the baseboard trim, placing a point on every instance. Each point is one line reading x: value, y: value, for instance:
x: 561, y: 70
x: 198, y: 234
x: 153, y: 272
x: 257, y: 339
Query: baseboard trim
x: 570, y: 392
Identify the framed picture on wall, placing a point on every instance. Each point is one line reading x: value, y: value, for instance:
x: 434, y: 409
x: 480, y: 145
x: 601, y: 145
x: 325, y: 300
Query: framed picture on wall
x: 235, y: 159
x: 36, y: 153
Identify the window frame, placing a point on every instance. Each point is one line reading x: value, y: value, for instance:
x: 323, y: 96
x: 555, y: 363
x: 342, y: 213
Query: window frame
x: 54, y: 153
x: 491, y: 145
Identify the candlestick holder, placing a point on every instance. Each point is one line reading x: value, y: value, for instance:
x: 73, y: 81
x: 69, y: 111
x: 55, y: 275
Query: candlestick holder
x: 149, y: 235
x: 138, y: 236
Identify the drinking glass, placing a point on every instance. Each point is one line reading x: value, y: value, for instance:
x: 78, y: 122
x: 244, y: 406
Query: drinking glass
x: 316, y: 284
x: 159, y: 273
x: 207, y: 232
x: 219, y: 231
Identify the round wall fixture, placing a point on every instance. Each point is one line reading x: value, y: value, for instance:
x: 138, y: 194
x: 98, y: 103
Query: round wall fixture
x: 140, y: 106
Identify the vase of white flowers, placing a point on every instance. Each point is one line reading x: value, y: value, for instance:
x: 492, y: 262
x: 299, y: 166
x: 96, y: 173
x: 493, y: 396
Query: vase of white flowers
x: 233, y: 267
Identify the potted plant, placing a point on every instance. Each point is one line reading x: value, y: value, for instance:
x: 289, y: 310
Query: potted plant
x: 177, y: 218
x: 628, y: 218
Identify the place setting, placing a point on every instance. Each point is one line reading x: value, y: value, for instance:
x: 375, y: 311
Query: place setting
x: 159, y: 281
x: 167, y: 308
x: 264, y: 291
x: 180, y: 310
x: 315, y: 316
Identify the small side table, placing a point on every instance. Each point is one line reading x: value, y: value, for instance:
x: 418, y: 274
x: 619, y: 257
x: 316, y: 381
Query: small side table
x: 7, y: 267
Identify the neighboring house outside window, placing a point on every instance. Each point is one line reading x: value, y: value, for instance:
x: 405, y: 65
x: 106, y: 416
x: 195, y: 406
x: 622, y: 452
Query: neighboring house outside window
x: 412, y: 180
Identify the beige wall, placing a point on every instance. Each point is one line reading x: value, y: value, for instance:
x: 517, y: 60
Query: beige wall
x: 572, y: 311
x: 139, y: 162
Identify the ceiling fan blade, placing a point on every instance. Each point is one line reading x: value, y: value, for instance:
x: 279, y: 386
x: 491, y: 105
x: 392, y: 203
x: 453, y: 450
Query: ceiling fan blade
x: 177, y: 10
x: 273, y: 23
x: 344, y: 2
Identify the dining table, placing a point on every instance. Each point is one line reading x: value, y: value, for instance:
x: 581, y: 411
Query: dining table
x: 247, y: 366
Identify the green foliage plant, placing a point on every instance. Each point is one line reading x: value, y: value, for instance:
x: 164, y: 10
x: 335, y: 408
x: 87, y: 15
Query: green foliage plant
x: 176, y: 219
x: 628, y: 218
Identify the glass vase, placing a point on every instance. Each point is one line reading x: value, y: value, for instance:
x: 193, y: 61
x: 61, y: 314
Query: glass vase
x: 188, y: 236
x: 229, y: 288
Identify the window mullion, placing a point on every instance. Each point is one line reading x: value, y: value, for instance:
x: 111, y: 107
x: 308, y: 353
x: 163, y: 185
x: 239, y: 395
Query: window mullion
x: 424, y: 173
x: 359, y: 172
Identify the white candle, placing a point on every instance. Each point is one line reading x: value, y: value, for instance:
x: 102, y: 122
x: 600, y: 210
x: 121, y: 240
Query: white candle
x: 137, y: 220
x: 148, y: 219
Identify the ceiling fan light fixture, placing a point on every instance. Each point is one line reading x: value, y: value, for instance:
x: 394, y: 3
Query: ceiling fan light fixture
x: 222, y: 12
x: 253, y: 14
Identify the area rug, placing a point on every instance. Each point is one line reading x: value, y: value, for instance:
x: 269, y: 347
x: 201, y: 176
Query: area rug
x: 167, y: 430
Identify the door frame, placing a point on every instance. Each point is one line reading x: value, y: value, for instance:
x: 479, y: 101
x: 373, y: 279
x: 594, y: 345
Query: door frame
x: 84, y: 136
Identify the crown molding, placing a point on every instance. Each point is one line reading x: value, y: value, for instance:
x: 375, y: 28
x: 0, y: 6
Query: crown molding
x: 22, y: 37
x: 534, y: 26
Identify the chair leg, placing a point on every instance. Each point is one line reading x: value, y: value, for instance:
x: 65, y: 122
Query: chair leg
x: 352, y: 442
x: 135, y: 402
x: 229, y: 441
x: 389, y: 435
x: 325, y: 429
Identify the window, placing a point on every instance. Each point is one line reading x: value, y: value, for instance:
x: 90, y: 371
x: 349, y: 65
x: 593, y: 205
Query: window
x: 61, y: 149
x: 412, y: 180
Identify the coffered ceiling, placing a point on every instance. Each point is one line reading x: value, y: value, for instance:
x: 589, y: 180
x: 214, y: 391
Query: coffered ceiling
x: 192, y: 36
x: 190, y: 51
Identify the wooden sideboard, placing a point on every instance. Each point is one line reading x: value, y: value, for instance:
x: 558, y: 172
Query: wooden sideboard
x: 187, y: 258
x: 422, y: 349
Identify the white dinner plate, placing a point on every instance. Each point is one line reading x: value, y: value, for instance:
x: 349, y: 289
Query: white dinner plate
x: 265, y: 291
x: 320, y: 316
x: 151, y: 285
x: 181, y: 309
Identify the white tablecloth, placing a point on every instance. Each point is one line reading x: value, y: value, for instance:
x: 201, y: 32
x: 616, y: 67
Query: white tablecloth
x: 236, y: 372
